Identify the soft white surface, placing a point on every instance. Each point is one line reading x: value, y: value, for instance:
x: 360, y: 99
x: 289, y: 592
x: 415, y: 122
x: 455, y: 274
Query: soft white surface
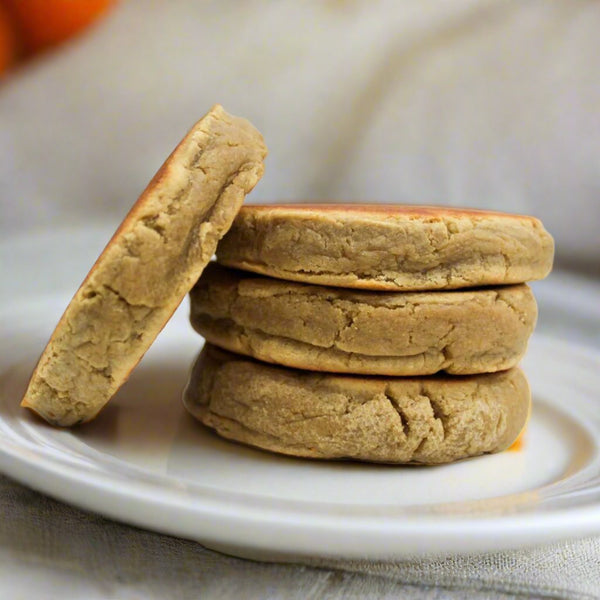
x: 487, y: 104
x: 51, y: 551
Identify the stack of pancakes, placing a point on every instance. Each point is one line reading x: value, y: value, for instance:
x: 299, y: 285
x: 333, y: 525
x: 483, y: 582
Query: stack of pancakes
x: 377, y: 333
x: 387, y: 334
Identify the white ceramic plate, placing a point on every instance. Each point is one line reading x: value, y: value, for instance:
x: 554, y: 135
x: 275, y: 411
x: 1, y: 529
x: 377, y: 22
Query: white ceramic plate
x: 144, y: 461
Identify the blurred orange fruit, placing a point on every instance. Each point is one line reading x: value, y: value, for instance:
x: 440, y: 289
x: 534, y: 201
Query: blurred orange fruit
x: 8, y: 45
x: 45, y: 23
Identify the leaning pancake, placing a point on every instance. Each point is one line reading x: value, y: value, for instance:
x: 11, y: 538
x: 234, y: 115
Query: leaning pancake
x: 375, y: 333
x: 426, y: 420
x: 149, y: 265
x: 387, y: 247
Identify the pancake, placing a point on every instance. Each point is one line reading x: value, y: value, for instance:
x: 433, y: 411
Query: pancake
x: 387, y: 247
x: 351, y: 331
x: 147, y: 268
x: 426, y: 420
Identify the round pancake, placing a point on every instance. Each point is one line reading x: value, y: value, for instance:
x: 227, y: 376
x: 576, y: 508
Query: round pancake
x: 147, y: 268
x: 351, y: 331
x: 387, y: 247
x: 426, y: 420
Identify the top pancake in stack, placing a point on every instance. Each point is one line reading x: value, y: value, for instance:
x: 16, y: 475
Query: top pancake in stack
x: 387, y: 247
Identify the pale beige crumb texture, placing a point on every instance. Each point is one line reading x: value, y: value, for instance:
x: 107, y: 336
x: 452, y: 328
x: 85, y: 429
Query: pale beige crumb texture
x: 427, y: 420
x: 388, y: 247
x: 352, y: 331
x: 146, y: 269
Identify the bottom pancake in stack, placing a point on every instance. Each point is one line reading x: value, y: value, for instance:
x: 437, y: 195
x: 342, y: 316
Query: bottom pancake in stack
x: 427, y: 420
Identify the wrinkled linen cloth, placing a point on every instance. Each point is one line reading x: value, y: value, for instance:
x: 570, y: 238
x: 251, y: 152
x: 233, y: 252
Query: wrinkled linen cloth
x: 51, y: 550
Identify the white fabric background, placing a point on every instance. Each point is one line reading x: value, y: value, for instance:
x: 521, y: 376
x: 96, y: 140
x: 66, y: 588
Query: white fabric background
x: 484, y: 103
x: 489, y: 103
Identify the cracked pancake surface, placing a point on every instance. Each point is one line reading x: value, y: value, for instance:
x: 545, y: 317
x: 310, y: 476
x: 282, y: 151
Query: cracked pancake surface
x: 353, y: 331
x: 149, y: 265
x: 387, y: 247
x: 425, y: 420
